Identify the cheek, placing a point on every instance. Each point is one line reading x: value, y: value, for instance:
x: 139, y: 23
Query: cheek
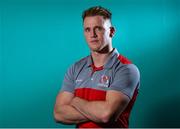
x: 102, y: 37
x: 86, y: 36
x: 106, y: 36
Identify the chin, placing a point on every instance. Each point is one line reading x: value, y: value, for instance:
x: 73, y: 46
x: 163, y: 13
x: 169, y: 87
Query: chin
x: 95, y: 49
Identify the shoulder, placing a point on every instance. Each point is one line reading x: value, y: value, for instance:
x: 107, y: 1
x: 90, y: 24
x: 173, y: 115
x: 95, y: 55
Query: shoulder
x: 79, y: 64
x: 123, y: 59
x: 126, y: 73
x: 125, y: 66
x: 82, y: 61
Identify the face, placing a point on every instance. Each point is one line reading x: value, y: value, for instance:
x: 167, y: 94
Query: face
x: 97, y: 31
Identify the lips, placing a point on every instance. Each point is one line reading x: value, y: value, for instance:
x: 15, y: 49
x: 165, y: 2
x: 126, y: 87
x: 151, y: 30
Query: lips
x: 94, y: 41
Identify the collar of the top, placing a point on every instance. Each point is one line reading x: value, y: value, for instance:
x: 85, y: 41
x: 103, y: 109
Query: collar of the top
x: 110, y: 61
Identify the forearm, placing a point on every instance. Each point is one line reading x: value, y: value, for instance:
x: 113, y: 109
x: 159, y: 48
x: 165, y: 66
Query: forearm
x: 69, y: 115
x: 102, y: 111
x: 93, y: 110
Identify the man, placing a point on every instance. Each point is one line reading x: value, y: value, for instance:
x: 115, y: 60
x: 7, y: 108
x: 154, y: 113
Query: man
x: 99, y: 90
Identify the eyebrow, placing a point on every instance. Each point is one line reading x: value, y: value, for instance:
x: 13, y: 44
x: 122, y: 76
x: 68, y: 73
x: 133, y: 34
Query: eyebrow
x: 94, y: 27
x: 98, y: 27
x: 85, y: 28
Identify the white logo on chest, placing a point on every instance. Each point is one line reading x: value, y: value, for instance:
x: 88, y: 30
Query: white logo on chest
x: 79, y: 80
x: 104, y: 81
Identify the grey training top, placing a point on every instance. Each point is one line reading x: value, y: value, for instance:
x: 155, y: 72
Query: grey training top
x: 117, y: 74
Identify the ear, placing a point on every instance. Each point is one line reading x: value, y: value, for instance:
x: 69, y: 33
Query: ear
x: 112, y: 31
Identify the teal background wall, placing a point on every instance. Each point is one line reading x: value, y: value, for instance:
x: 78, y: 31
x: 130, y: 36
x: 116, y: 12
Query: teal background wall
x: 40, y: 39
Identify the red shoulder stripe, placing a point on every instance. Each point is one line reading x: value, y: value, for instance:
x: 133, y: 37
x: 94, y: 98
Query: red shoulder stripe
x: 124, y: 60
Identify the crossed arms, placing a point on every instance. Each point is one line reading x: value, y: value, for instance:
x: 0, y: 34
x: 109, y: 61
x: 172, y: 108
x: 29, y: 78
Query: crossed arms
x: 73, y: 110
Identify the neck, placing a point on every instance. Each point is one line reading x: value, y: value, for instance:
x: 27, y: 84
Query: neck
x: 100, y: 58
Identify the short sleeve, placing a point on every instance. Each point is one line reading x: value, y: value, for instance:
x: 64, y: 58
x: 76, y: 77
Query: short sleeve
x: 126, y: 80
x: 68, y: 82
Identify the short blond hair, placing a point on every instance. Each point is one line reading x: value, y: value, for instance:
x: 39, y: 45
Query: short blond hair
x: 97, y: 11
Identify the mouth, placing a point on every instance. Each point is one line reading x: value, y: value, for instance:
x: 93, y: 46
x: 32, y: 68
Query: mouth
x: 94, y: 41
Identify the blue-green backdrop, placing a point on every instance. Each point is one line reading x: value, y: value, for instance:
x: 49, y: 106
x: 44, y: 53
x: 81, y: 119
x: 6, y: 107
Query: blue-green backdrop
x: 40, y: 39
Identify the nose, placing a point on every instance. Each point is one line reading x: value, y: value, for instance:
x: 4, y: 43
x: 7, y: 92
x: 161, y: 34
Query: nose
x: 93, y: 34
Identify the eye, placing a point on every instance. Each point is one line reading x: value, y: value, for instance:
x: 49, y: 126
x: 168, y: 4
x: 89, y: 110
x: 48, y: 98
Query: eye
x: 87, y: 29
x: 98, y: 28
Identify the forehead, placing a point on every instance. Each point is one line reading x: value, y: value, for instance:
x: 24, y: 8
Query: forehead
x: 94, y: 20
